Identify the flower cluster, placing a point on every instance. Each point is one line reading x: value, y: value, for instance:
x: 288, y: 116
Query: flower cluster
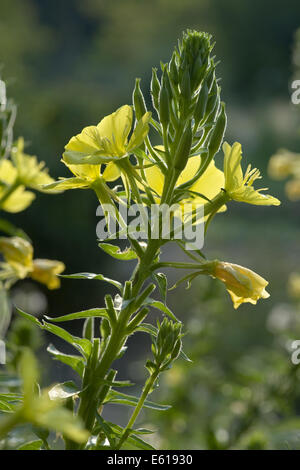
x: 183, y: 169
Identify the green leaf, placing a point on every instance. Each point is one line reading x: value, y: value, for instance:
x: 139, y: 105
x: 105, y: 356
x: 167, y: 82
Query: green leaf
x: 5, y: 312
x: 5, y: 406
x: 130, y: 400
x: 113, y: 431
x: 115, y: 252
x: 92, y: 312
x: 132, y: 440
x: 83, y: 345
x: 29, y: 317
x: 147, y: 328
x: 162, y: 283
x: 120, y: 383
x: 63, y: 391
x: 98, y: 277
x: 162, y: 307
x: 76, y: 362
x: 32, y: 445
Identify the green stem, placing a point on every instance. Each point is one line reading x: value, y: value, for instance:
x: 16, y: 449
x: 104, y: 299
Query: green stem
x: 148, y: 386
x: 90, y: 395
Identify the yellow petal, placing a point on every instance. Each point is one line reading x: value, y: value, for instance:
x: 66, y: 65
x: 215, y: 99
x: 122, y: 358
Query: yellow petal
x: 140, y: 132
x: 88, y: 172
x: 155, y: 178
x: 46, y: 271
x: 211, y: 182
x: 8, y: 172
x: 17, y: 253
x: 111, y: 172
x: 18, y: 200
x: 232, y: 166
x: 87, y: 142
x: 249, y: 195
x: 114, y: 130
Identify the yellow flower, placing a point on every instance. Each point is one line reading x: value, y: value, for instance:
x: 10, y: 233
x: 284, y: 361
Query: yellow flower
x: 17, y: 253
x: 209, y: 184
x: 238, y: 186
x: 17, y: 174
x: 18, y: 199
x: 46, y: 271
x: 292, y: 189
x: 108, y: 140
x: 284, y: 163
x: 105, y: 143
x: 242, y: 284
x: 294, y: 285
x: 30, y: 172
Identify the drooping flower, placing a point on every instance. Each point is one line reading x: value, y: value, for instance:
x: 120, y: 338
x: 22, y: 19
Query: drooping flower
x: 19, y: 263
x: 238, y: 186
x: 46, y: 271
x: 242, y: 284
x: 18, y: 253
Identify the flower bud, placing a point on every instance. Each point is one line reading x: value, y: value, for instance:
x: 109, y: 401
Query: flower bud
x: 184, y: 147
x: 138, y: 100
x: 217, y: 134
x: 155, y: 89
x: 242, y: 284
x: 164, y: 107
x: 200, y: 105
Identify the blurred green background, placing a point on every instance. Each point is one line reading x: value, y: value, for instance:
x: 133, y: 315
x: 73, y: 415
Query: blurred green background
x: 67, y: 64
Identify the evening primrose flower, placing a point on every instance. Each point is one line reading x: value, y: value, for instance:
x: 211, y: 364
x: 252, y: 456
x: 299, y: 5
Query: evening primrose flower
x: 209, y: 184
x: 106, y: 144
x: 30, y: 172
x: 292, y: 189
x: 294, y: 285
x: 283, y: 164
x: 242, y: 284
x: 18, y: 173
x: 108, y: 141
x: 46, y: 271
x: 238, y: 186
x: 13, y: 196
x: 18, y: 253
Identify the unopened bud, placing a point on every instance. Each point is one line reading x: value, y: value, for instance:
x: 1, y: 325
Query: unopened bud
x: 138, y: 100
x: 183, y: 150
